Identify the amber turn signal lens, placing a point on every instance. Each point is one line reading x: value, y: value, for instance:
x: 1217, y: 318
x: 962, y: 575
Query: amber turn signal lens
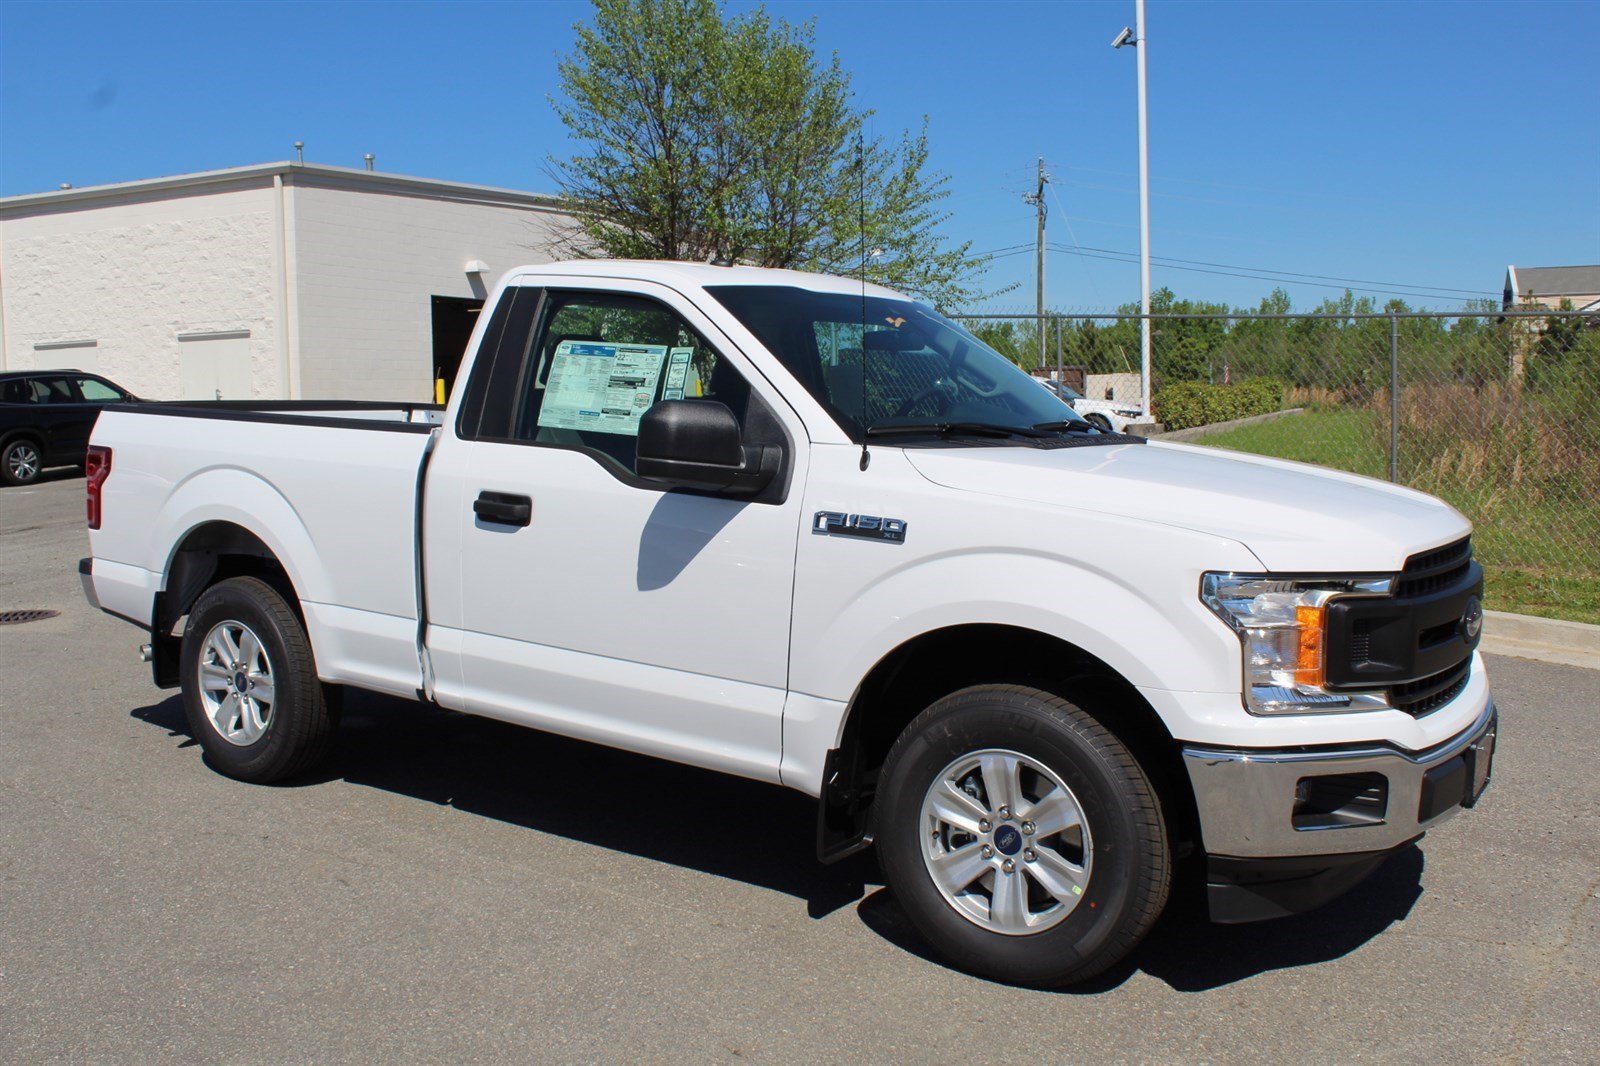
x: 1308, y: 667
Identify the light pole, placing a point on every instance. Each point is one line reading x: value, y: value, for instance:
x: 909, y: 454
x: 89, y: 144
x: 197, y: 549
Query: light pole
x: 1136, y: 38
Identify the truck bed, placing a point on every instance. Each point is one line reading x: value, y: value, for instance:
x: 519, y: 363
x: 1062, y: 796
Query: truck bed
x: 329, y: 486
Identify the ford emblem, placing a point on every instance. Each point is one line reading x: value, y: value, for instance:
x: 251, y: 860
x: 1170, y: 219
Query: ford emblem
x: 1472, y: 621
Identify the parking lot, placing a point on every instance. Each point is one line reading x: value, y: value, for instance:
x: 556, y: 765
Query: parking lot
x: 456, y: 887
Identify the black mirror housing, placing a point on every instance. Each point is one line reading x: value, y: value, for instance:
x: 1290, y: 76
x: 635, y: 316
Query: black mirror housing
x: 696, y: 444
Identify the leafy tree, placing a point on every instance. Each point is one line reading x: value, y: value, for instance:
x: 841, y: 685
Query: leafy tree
x: 709, y: 136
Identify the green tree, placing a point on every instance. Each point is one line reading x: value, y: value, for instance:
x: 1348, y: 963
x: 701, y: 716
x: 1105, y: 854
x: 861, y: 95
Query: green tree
x: 1182, y: 349
x: 713, y: 136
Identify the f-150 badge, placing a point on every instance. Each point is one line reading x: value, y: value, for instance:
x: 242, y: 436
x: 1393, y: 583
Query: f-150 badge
x: 872, y: 527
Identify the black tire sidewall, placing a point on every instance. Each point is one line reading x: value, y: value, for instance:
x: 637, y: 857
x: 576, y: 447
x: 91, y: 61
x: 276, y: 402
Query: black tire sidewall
x: 245, y: 600
x: 1030, y: 725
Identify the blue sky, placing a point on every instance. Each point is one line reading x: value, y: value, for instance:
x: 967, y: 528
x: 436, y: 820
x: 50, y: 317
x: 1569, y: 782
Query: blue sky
x: 1409, y: 144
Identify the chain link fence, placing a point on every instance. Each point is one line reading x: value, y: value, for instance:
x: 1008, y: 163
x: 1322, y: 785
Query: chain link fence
x: 1493, y: 412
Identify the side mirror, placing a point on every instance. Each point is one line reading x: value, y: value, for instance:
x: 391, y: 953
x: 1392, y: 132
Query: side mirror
x: 696, y: 444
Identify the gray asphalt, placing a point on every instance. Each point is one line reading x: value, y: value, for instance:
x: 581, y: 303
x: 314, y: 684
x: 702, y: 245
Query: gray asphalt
x: 458, y: 888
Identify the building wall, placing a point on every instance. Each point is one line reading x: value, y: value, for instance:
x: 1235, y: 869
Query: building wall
x: 1124, y: 388
x: 364, y: 264
x: 1578, y: 300
x: 135, y: 272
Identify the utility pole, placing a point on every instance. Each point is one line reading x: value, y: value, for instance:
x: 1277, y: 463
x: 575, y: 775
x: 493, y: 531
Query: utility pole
x: 1037, y: 200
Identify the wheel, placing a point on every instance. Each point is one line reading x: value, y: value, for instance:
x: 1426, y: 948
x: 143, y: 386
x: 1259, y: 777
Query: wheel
x: 1100, y: 422
x: 250, y: 685
x: 1021, y: 837
x: 20, y: 462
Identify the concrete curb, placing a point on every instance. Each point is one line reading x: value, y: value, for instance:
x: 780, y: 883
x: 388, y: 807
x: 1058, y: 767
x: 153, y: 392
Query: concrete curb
x: 1196, y: 432
x: 1549, y: 640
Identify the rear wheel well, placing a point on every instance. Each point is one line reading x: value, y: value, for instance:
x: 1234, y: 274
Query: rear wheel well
x: 208, y: 554
x: 29, y: 435
x: 910, y: 678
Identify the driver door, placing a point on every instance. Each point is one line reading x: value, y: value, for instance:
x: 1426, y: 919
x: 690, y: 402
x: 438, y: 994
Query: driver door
x: 611, y: 608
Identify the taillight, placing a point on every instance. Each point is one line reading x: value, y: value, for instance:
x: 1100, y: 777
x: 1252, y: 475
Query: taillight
x: 96, y: 468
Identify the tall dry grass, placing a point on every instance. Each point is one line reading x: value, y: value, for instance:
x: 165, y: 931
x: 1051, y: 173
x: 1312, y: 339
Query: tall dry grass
x: 1502, y: 441
x: 1495, y: 440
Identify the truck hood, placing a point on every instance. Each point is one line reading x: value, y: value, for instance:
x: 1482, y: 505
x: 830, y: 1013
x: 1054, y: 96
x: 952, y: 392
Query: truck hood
x: 1292, y: 516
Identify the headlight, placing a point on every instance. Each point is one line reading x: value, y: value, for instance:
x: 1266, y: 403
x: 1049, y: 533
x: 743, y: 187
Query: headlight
x: 1283, y: 626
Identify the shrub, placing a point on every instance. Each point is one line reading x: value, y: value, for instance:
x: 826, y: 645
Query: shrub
x: 1182, y: 405
x: 1186, y: 404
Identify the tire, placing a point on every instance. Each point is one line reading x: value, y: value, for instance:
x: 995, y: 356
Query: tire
x: 1118, y: 856
x: 20, y: 462
x: 243, y: 640
x: 1100, y: 422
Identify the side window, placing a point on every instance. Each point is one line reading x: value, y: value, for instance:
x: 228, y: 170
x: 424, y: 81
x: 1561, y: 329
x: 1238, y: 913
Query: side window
x: 597, y: 362
x: 493, y: 376
x: 17, y: 390
x: 98, y: 391
x: 53, y: 390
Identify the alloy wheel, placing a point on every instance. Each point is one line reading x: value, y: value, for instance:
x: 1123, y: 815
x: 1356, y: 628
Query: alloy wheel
x: 1005, y: 842
x: 23, y: 462
x: 236, y: 683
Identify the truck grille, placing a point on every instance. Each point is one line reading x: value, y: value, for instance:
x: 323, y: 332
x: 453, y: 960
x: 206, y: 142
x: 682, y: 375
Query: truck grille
x: 1425, y: 573
x: 1411, y: 643
x: 1434, y: 570
x: 1421, y: 697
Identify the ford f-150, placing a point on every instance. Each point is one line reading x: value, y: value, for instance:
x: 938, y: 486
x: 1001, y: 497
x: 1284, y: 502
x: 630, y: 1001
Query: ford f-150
x: 807, y: 530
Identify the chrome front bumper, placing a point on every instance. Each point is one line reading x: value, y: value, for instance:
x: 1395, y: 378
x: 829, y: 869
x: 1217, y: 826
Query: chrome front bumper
x: 1248, y: 802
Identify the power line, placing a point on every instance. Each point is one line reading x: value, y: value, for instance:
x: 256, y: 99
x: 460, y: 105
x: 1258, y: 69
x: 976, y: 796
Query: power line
x: 1128, y: 257
x: 1316, y: 195
x: 1291, y: 273
x: 995, y: 253
x: 1260, y: 273
x: 1064, y: 216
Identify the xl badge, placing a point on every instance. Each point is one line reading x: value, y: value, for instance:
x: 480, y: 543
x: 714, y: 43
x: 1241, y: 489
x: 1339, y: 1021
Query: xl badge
x: 859, y: 525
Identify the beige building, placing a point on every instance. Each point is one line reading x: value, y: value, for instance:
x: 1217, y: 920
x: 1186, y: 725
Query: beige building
x: 1546, y: 287
x: 278, y: 281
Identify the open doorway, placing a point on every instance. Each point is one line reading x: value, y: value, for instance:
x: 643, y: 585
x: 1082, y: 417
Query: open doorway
x: 453, y: 319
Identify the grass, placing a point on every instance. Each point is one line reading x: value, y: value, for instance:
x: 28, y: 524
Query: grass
x: 1538, y: 539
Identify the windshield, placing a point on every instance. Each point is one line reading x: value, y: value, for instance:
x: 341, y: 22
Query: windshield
x: 880, y: 363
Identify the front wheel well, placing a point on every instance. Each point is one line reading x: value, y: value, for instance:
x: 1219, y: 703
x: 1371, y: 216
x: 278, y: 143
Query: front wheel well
x: 912, y: 676
x: 209, y: 553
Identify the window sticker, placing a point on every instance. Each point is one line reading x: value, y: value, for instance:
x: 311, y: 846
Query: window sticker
x: 601, y: 388
x: 677, y: 372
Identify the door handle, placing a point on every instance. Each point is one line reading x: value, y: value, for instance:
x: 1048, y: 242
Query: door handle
x: 504, y: 508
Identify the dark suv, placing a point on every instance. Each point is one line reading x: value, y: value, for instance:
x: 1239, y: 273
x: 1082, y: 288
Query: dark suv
x: 46, y: 417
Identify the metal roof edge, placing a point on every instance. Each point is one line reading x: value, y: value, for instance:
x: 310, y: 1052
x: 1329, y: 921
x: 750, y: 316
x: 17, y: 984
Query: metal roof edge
x: 290, y: 171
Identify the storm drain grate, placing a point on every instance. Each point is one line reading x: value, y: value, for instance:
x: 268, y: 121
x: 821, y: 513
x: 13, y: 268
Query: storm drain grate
x: 16, y: 618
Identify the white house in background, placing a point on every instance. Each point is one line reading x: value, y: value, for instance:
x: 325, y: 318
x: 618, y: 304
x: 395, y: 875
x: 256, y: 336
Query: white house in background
x: 1546, y: 287
x: 277, y: 281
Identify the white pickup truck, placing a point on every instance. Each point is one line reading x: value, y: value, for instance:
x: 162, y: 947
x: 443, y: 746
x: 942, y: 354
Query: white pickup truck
x: 810, y: 532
